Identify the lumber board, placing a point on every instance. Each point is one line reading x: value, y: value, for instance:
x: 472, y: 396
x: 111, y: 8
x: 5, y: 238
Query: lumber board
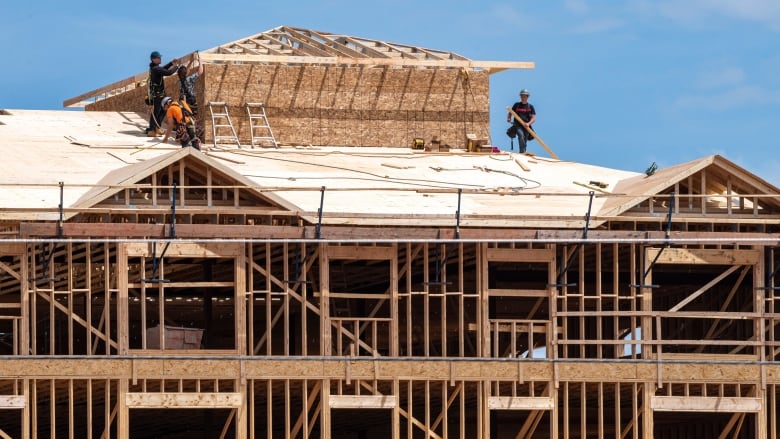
x: 375, y: 61
x: 13, y: 401
x: 704, y: 256
x: 369, y: 368
x: 520, y: 255
x: 361, y: 253
x: 192, y: 250
x: 705, y: 404
x: 536, y: 136
x: 362, y: 401
x: 184, y: 400
x: 521, y: 403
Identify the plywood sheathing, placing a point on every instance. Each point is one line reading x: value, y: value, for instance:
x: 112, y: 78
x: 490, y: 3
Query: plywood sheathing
x: 133, y: 100
x: 354, y: 106
x: 338, y: 105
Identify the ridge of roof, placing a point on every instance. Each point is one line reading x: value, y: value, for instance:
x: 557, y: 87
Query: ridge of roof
x: 634, y: 190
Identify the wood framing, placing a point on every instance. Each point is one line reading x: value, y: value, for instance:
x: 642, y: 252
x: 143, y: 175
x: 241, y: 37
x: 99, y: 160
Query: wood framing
x: 148, y: 290
x: 327, y: 89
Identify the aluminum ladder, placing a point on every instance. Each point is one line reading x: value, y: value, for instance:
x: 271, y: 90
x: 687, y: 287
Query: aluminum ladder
x: 221, y: 125
x: 259, y: 121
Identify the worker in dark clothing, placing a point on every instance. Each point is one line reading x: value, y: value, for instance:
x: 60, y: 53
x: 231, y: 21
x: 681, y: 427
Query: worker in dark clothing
x: 156, y: 86
x: 187, y: 82
x: 527, y: 113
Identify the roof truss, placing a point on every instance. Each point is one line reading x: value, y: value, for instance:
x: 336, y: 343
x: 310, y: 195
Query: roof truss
x: 295, y: 46
x: 201, y: 184
x: 708, y: 186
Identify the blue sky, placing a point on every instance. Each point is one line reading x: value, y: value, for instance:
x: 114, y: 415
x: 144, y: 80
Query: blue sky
x: 617, y: 83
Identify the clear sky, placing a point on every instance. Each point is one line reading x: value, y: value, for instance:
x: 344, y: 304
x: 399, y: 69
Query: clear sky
x: 617, y: 83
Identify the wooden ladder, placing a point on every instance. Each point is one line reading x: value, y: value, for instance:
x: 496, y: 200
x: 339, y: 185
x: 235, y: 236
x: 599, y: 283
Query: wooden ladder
x: 259, y: 121
x: 221, y: 125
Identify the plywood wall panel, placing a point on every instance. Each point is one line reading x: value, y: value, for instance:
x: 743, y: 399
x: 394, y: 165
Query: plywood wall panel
x: 338, y: 105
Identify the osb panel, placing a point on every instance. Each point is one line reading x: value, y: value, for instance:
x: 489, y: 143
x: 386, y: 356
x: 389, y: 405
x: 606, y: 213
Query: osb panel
x: 341, y: 106
x: 353, y: 106
x: 133, y: 100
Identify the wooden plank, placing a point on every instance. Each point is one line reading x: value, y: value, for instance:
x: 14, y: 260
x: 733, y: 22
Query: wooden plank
x: 540, y: 328
x: 183, y: 400
x: 344, y: 60
x: 363, y: 401
x: 15, y: 248
x: 705, y: 404
x: 123, y: 230
x: 591, y: 187
x: 704, y: 289
x: 519, y: 255
x: 186, y: 284
x: 689, y: 356
x: 505, y: 292
x: 186, y: 250
x: 372, y: 296
x: 704, y: 256
x: 361, y: 253
x: 530, y: 130
x: 522, y: 165
x: 13, y: 401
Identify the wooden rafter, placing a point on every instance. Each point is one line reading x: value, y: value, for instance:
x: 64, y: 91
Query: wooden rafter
x: 133, y: 82
x: 290, y: 45
x: 325, y: 48
x: 340, y: 60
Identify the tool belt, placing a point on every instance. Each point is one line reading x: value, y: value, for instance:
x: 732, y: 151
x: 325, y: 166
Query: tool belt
x: 181, y: 131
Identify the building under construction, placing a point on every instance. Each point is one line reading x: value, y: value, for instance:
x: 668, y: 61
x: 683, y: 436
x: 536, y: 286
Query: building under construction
x: 371, y: 268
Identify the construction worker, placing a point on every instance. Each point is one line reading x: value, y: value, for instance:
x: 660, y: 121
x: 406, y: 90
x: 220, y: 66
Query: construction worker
x: 187, y: 83
x: 156, y: 91
x: 527, y: 113
x: 178, y: 116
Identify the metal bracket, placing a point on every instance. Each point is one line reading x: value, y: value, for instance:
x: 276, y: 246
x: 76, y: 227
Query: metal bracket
x: 439, y: 263
x: 318, y: 232
x: 457, y: 216
x: 667, y: 243
x: 156, y: 261
x: 559, y: 279
x: 60, y: 233
x: 299, y: 262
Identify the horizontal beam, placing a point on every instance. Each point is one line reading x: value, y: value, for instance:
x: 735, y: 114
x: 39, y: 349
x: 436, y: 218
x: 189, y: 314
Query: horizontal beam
x: 705, y: 404
x: 383, y: 232
x: 701, y: 256
x: 354, y: 253
x: 188, y: 250
x: 345, y: 60
x: 362, y: 401
x: 209, y: 365
x: 13, y: 401
x: 520, y: 255
x: 520, y: 403
x: 192, y: 400
x: 506, y: 292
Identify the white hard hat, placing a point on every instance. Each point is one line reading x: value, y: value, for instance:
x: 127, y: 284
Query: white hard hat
x: 166, y: 100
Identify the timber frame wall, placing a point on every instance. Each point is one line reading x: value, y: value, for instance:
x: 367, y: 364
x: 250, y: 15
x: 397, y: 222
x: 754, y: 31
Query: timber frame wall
x: 634, y: 331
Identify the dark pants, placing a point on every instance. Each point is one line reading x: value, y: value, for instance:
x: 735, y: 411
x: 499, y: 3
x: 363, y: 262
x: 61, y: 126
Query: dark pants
x: 522, y: 138
x: 191, y: 139
x: 157, y: 116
